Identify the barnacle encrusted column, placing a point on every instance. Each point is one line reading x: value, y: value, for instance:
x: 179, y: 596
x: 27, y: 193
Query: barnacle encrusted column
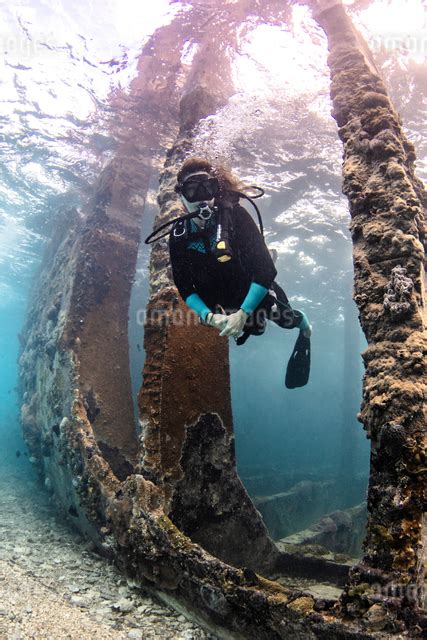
x: 188, y: 439
x: 386, y: 205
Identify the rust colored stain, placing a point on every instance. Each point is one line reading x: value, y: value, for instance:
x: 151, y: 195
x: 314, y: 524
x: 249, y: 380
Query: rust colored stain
x: 99, y: 318
x: 186, y: 374
x: 196, y: 380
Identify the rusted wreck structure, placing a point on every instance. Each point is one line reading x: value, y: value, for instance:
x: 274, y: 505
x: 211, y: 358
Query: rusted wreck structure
x: 167, y: 504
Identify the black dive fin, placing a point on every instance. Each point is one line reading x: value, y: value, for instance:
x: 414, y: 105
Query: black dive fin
x: 242, y: 339
x: 298, y: 369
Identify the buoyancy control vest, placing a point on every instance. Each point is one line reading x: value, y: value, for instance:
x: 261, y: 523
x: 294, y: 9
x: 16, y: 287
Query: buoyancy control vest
x: 223, y: 242
x: 216, y: 238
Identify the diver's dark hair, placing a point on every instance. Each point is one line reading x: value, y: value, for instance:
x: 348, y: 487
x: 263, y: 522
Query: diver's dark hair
x: 227, y: 181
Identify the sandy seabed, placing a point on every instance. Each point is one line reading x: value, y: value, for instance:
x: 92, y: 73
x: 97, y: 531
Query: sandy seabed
x: 52, y: 584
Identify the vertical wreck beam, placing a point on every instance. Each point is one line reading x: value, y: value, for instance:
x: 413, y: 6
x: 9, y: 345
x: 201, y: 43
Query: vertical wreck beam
x: 105, y: 260
x: 185, y: 404
x: 109, y: 247
x: 386, y: 206
x: 77, y: 332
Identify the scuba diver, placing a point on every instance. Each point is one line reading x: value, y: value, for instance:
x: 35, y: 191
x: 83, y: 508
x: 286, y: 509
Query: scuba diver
x: 222, y: 267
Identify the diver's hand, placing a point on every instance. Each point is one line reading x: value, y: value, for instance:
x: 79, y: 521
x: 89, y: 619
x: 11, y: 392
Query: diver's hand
x: 216, y: 320
x: 235, y: 323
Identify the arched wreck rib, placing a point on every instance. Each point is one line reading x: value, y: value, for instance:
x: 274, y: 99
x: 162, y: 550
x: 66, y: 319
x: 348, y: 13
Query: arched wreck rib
x: 386, y: 204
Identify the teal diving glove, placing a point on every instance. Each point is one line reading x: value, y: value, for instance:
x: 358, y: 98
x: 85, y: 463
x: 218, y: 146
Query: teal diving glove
x: 235, y: 323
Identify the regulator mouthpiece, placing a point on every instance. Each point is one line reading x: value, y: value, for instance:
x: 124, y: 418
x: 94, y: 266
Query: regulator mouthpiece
x: 205, y: 211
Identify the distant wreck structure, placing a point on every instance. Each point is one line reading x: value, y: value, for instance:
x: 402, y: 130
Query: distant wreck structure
x: 166, y: 503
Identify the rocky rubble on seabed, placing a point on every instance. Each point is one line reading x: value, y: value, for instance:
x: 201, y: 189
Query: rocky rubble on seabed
x: 52, y: 585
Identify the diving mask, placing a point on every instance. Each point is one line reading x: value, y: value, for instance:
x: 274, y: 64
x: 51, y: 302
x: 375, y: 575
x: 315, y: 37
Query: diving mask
x: 199, y: 187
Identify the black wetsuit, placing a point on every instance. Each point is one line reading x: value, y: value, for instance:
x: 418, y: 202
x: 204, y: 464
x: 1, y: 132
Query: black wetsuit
x: 196, y: 269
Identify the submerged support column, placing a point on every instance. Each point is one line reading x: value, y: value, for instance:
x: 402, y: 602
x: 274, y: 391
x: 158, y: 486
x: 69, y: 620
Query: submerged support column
x: 188, y: 439
x: 386, y: 205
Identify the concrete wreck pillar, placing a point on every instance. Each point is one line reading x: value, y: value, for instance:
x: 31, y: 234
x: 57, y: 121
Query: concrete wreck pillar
x: 185, y: 405
x: 386, y: 205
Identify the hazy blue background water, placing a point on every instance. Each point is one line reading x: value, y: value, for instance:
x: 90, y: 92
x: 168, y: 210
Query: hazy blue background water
x: 276, y: 131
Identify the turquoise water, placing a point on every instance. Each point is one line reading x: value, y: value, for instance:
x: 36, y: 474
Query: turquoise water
x: 9, y: 410
x: 57, y: 134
